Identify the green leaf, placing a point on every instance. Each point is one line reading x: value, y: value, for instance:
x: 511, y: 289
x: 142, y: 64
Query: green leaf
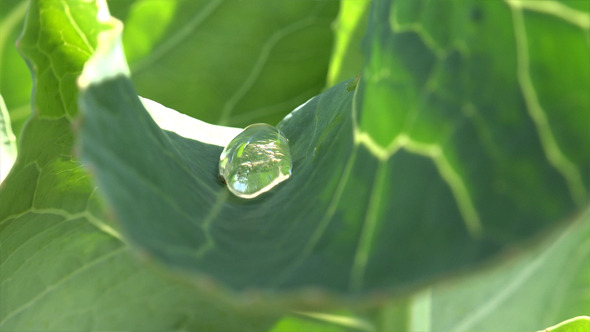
x: 297, y: 324
x: 220, y: 61
x: 523, y: 293
x: 64, y: 265
x: 15, y: 81
x: 189, y: 169
x: 465, y: 97
x: 431, y: 151
x: 56, y: 55
x: 318, y: 322
x: 486, y: 91
x: 543, y: 287
x: 576, y: 324
x: 349, y: 28
x: 64, y: 271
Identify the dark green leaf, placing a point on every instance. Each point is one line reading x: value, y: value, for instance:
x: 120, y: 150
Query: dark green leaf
x: 464, y: 91
x: 444, y: 161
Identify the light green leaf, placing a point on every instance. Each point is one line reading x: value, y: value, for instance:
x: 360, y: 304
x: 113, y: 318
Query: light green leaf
x: 65, y: 271
x: 15, y: 81
x: 539, y: 289
x: 220, y: 61
x: 349, y: 28
x: 289, y: 324
x: 431, y: 151
x: 523, y: 293
x: 576, y: 324
x: 319, y: 322
x: 63, y: 264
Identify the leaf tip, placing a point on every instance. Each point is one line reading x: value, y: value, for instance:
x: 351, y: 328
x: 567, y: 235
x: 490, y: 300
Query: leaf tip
x: 108, y: 60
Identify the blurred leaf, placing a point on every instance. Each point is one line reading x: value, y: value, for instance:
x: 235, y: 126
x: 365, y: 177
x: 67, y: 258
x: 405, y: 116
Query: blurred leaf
x: 349, y: 28
x: 525, y: 292
x: 577, y: 324
x: 15, y: 80
x: 228, y: 62
x: 543, y: 287
x: 291, y: 324
x: 463, y: 98
x: 320, y: 323
x: 487, y: 97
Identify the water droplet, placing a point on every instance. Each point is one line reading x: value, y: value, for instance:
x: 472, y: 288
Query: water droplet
x: 255, y: 161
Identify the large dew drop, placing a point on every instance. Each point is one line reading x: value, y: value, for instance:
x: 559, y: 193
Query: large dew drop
x: 255, y: 161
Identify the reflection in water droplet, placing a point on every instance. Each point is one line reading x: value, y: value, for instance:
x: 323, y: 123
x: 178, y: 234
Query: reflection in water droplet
x: 255, y: 161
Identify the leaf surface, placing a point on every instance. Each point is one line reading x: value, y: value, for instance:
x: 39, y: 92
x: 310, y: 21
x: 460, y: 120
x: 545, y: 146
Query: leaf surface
x: 63, y: 264
x: 543, y: 287
x: 15, y: 80
x: 444, y: 157
x: 576, y: 324
x: 527, y: 292
x: 349, y: 28
x: 220, y: 61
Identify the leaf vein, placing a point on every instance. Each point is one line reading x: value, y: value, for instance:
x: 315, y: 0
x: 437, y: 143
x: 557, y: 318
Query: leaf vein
x: 60, y: 282
x: 262, y: 59
x: 553, y: 153
x: 361, y: 256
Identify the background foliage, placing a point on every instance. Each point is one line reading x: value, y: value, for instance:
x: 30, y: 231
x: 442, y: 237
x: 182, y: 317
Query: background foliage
x: 485, y: 123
